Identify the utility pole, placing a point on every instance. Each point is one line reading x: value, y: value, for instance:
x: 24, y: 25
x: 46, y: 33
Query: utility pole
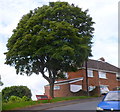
x: 86, y: 70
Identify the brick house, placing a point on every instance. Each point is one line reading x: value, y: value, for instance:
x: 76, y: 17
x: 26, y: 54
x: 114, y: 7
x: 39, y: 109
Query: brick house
x: 99, y: 73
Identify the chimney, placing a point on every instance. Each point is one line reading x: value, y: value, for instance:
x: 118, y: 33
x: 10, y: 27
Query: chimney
x: 102, y: 59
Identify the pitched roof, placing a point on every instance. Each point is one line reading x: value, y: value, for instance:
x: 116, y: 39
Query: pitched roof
x: 101, y: 65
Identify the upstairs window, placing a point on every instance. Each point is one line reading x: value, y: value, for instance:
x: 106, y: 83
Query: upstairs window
x: 66, y: 75
x: 102, y: 75
x: 118, y: 76
x: 90, y: 73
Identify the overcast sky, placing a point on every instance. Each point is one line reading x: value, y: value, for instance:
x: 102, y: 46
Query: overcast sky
x: 103, y: 12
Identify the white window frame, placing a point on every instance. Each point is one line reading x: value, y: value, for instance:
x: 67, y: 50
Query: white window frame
x: 102, y: 75
x: 90, y: 73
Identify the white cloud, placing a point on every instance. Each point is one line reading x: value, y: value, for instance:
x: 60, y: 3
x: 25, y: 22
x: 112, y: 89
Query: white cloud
x: 109, y: 51
x: 103, y: 12
x: 2, y: 50
x: 12, y: 11
x: 34, y: 82
x: 106, y: 23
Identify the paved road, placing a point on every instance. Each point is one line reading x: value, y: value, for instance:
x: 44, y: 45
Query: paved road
x: 80, y: 104
x: 91, y: 105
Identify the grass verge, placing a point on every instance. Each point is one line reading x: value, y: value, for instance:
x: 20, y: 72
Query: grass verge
x: 16, y: 105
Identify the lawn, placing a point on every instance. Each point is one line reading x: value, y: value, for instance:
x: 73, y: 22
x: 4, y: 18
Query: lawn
x: 17, y: 105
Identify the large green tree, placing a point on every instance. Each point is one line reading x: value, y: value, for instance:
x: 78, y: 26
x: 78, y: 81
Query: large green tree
x: 54, y: 38
x: 19, y: 91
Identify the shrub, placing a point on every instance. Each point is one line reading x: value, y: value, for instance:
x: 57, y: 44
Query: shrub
x: 18, y: 99
x: 18, y: 91
x: 25, y: 98
x: 15, y: 99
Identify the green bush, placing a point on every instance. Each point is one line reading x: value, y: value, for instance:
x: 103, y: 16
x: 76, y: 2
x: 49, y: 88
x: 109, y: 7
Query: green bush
x: 18, y: 91
x: 15, y: 99
x: 25, y: 98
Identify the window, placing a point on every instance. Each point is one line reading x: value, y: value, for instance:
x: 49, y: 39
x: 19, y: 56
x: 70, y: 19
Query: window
x: 102, y: 75
x: 66, y: 75
x: 104, y: 89
x: 117, y: 76
x: 56, y: 87
x: 91, y: 88
x: 103, y: 86
x: 112, y: 96
x: 90, y: 73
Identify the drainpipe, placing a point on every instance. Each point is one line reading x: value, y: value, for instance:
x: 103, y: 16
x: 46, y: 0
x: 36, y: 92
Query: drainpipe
x: 98, y: 78
x: 86, y: 78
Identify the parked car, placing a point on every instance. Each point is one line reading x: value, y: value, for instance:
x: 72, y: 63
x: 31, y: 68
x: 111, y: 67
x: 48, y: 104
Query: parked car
x: 104, y: 90
x: 110, y: 102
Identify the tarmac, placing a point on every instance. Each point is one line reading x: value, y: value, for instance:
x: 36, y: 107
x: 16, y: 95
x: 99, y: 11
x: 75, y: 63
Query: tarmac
x: 45, y: 106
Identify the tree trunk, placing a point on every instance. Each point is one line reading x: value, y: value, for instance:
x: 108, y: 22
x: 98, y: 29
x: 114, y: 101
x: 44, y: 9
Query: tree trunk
x: 51, y: 80
x: 51, y: 89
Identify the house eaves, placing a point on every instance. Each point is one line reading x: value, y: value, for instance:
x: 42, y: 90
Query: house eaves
x: 101, y: 65
x: 69, y: 81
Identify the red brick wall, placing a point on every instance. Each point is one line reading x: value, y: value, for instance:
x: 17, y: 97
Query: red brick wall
x: 63, y: 91
x: 93, y: 81
x: 112, y: 81
x: 119, y: 83
x: 78, y: 83
x: 77, y: 74
x: 47, y: 88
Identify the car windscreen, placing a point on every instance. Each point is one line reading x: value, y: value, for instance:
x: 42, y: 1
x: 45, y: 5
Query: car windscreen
x: 112, y: 96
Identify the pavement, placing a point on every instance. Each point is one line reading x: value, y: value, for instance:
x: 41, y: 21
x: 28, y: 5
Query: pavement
x: 46, y: 106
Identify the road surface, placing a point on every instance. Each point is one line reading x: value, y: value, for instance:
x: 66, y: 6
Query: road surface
x: 90, y: 105
x: 66, y: 106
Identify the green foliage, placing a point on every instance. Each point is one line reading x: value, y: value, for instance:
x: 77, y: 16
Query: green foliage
x: 17, y: 91
x: 54, y: 38
x: 14, y: 99
x: 118, y: 88
x: 25, y: 98
x: 1, y: 83
x: 14, y: 105
x: 69, y: 98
